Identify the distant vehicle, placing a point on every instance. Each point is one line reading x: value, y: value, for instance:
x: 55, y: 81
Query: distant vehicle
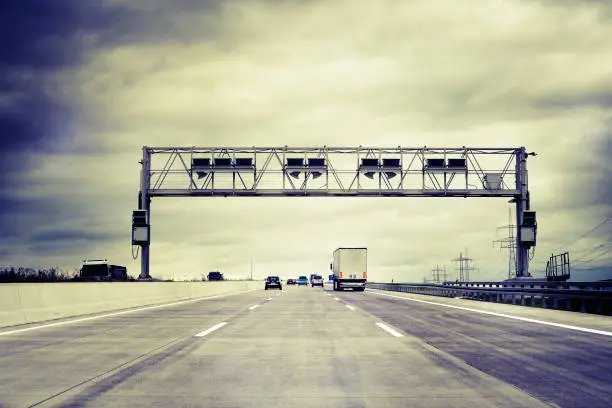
x: 273, y: 282
x: 291, y: 281
x: 350, y: 268
x: 317, y: 280
x: 101, y: 270
x: 215, y: 276
x: 303, y: 281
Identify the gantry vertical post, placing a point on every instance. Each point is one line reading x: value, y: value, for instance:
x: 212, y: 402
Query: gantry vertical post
x: 145, y: 204
x: 522, y: 204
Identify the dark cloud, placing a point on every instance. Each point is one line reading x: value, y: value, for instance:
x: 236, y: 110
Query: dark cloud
x: 38, y: 39
x: 17, y: 214
x: 69, y: 241
x: 70, y: 235
x: 601, y: 99
x: 602, y: 5
x: 582, y: 173
x: 599, y: 187
x: 30, y: 226
x: 52, y: 34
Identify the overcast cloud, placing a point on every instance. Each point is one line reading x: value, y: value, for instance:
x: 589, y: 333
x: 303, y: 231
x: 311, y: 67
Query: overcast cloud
x: 95, y: 83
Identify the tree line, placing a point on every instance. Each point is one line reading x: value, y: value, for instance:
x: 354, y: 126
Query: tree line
x: 20, y: 274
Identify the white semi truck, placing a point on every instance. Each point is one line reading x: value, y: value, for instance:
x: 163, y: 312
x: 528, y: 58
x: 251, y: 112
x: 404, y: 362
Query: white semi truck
x: 350, y: 268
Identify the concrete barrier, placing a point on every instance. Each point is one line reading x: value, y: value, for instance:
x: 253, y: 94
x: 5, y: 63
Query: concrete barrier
x: 22, y: 303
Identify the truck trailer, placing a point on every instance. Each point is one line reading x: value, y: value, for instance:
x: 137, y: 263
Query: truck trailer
x: 350, y: 268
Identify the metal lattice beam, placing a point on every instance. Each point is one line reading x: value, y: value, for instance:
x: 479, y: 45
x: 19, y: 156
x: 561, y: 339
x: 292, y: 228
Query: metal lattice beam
x: 342, y: 172
x: 337, y: 172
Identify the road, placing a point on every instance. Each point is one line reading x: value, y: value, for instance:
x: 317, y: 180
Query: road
x: 303, y: 347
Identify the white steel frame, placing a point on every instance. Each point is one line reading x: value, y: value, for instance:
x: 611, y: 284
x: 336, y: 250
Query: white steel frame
x: 407, y: 174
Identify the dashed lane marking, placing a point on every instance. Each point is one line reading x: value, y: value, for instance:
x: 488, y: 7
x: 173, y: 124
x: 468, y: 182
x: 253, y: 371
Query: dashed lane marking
x: 389, y: 330
x: 210, y: 330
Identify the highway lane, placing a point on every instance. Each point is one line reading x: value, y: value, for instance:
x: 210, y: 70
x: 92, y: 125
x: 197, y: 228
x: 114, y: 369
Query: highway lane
x: 566, y: 367
x: 302, y: 347
x: 37, y: 364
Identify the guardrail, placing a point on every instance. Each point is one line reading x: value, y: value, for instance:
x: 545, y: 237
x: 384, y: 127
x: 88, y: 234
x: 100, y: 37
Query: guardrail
x: 586, y: 297
x: 536, y: 283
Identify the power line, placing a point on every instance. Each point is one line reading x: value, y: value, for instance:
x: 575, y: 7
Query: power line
x: 595, y: 257
x: 579, y: 251
x: 587, y: 252
x: 586, y: 233
x: 602, y: 254
x: 591, y: 251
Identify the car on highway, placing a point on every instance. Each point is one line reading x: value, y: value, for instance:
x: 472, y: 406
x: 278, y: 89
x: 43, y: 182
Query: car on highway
x: 273, y: 282
x: 317, y: 280
x: 291, y: 281
x: 303, y: 281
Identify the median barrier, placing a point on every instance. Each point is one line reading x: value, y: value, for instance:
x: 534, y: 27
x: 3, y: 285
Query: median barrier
x: 22, y: 303
x: 11, y: 311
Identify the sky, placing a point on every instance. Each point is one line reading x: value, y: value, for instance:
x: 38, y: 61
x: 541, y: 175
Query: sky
x: 85, y: 85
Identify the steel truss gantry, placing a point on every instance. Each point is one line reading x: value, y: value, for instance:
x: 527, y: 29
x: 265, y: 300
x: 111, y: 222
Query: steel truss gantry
x: 339, y: 172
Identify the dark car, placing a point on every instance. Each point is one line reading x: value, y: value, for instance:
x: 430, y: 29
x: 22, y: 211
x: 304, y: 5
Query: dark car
x: 273, y: 282
x: 291, y: 282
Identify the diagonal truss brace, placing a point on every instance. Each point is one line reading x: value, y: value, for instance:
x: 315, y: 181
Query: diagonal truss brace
x: 338, y: 171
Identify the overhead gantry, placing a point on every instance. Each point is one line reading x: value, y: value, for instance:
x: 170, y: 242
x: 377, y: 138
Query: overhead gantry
x: 335, y: 172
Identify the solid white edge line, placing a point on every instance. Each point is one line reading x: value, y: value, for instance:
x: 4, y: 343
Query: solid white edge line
x: 523, y: 319
x: 389, y: 330
x: 210, y: 330
x: 253, y: 307
x: 350, y: 307
x: 118, y: 313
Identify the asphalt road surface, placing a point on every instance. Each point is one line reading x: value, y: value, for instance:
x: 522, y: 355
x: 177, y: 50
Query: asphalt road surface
x: 303, y: 347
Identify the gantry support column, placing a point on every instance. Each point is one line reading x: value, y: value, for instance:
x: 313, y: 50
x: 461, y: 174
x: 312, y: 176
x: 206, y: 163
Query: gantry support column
x: 522, y: 204
x: 145, y: 204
